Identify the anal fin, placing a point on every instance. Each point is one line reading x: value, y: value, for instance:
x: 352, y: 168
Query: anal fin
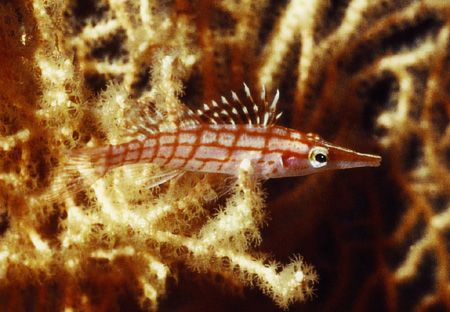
x: 163, y: 177
x: 147, y: 175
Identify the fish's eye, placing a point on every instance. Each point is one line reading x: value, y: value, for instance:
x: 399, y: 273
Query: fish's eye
x: 318, y: 156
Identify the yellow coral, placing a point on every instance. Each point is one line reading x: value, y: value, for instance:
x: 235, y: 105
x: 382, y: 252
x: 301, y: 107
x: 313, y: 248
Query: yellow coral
x: 374, y: 74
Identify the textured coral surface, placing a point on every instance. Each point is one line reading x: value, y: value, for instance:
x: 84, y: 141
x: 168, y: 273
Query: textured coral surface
x: 372, y: 75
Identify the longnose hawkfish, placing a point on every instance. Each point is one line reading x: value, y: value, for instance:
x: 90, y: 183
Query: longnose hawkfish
x: 217, y: 139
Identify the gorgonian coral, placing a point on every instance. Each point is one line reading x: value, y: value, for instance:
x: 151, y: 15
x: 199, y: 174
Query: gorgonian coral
x: 373, y: 74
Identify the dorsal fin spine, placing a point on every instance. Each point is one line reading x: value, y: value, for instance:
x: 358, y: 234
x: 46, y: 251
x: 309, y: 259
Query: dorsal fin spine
x: 247, y: 92
x: 273, y: 106
x: 266, y: 118
x: 224, y: 112
x: 235, y: 97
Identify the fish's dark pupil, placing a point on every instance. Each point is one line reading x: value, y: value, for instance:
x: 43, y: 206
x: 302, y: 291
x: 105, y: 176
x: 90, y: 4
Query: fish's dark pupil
x: 320, y: 158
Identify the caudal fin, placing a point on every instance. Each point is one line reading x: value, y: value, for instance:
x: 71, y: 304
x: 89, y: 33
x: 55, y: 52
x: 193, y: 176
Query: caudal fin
x: 80, y: 169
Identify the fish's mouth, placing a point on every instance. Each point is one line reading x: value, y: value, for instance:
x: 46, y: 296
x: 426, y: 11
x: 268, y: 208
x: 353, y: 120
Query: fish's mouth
x: 366, y: 160
x: 345, y: 159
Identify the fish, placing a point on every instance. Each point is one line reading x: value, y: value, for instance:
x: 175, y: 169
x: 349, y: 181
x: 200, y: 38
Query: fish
x: 216, y: 139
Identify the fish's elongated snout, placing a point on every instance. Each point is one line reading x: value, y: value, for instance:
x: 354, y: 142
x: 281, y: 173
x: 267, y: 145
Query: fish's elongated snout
x: 346, y: 159
x: 366, y: 160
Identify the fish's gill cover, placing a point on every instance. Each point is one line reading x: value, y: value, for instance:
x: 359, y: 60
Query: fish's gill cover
x: 372, y: 75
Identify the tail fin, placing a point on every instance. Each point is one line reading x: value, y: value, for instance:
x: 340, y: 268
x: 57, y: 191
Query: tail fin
x: 79, y: 170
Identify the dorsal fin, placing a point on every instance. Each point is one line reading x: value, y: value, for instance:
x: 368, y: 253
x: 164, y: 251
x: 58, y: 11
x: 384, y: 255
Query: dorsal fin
x: 143, y: 120
x: 146, y: 119
x: 246, y: 111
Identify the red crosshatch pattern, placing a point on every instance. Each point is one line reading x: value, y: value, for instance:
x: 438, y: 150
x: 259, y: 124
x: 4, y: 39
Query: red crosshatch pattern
x: 206, y: 148
x: 233, y: 132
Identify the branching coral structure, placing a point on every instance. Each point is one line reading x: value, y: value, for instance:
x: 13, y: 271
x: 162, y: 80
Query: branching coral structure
x: 372, y: 74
